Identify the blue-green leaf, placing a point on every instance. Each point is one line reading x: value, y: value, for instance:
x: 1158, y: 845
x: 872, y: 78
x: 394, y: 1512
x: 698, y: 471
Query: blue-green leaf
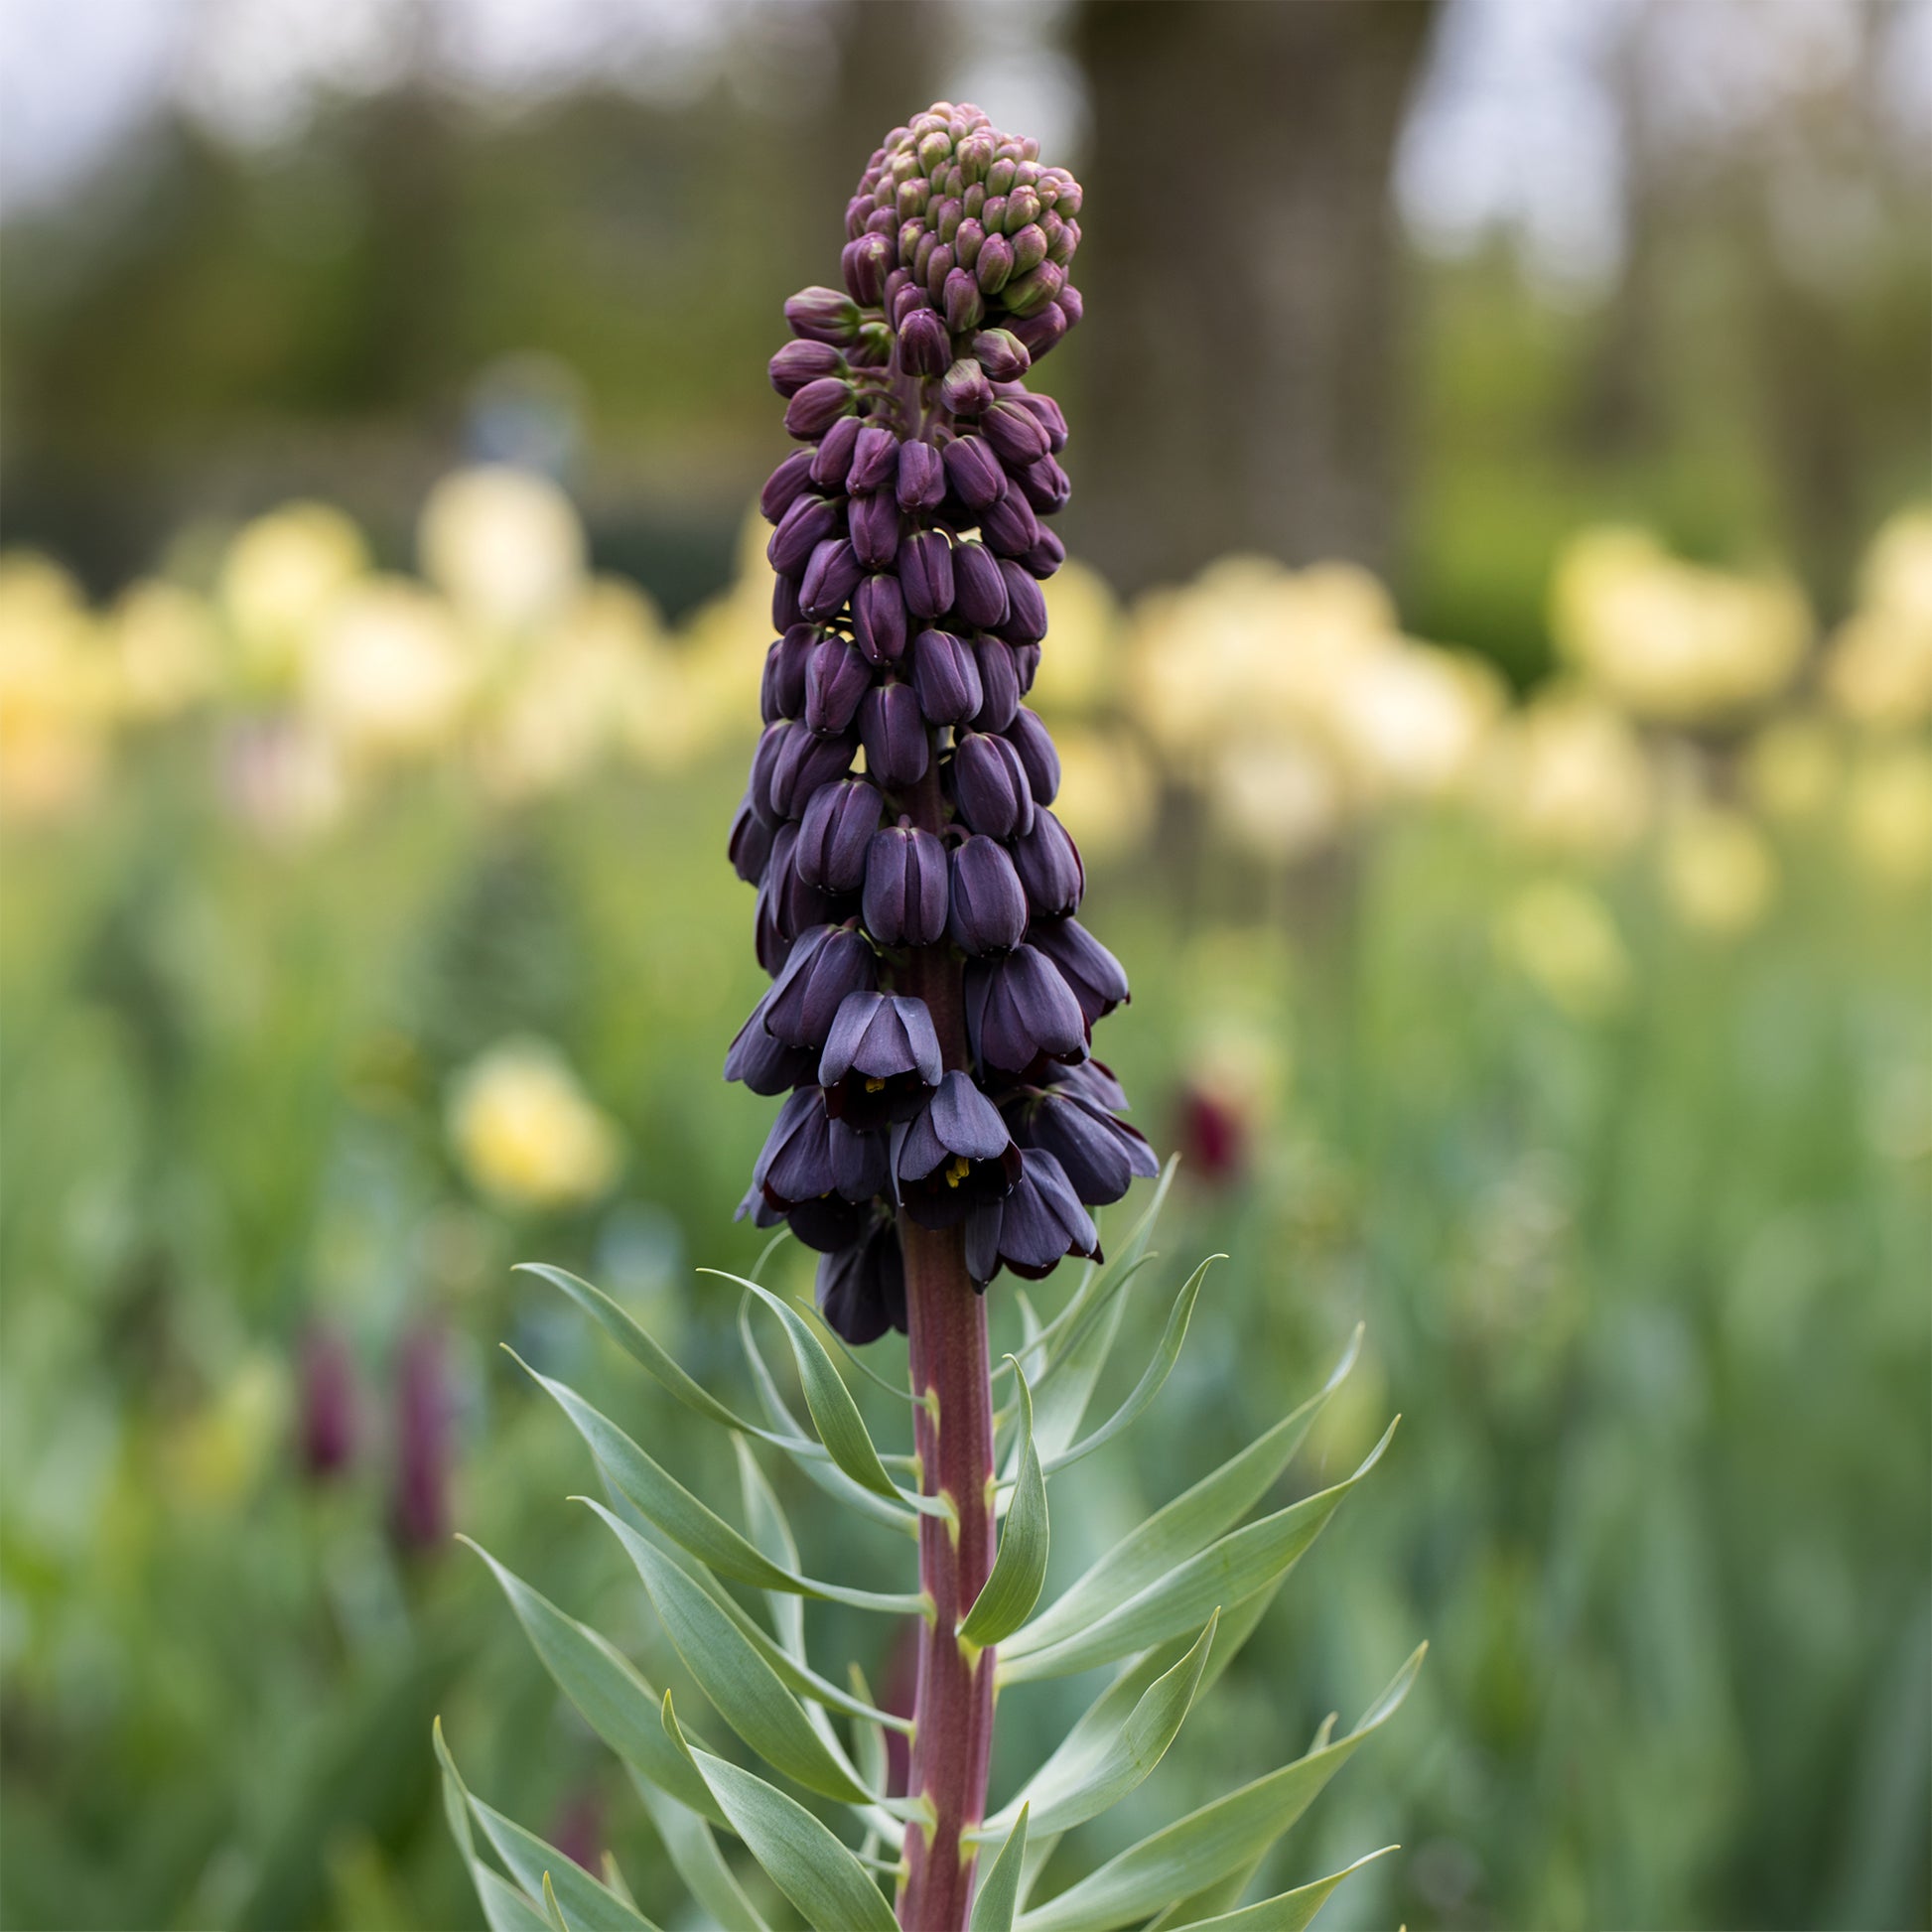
x: 805, y: 1861
x: 1075, y: 1785
x: 1187, y: 1524
x: 1020, y: 1565
x: 998, y: 1898
x: 1288, y: 1911
x: 694, y: 1854
x: 553, y: 1912
x: 530, y: 1862
x: 687, y: 1521
x: 1152, y: 1379
x: 743, y: 1686
x: 1239, y: 1564
x: 1213, y: 1841
x: 605, y: 1687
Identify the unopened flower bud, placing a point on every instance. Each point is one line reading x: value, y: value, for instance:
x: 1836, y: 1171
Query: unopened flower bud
x: 993, y: 264
x: 1017, y: 436
x: 874, y: 460
x: 979, y: 591
x: 925, y: 570
x: 834, y: 833
x: 1022, y: 212
x: 785, y: 611
x: 938, y: 269
x: 989, y: 785
x: 831, y: 576
x: 964, y: 388
x: 865, y: 263
x: 1002, y: 355
x: 823, y: 314
x: 965, y: 306
x: 999, y: 685
x: 1028, y: 247
x: 1041, y: 331
x: 1009, y: 526
x: 875, y: 524
x: 879, y: 619
x: 1044, y: 557
x: 973, y: 471
x: 922, y: 476
x: 749, y: 845
x: 1049, y: 415
x: 837, y: 676
x: 765, y: 1064
x: 924, y: 346
x: 804, y: 526
x: 1025, y: 620
x: 904, y: 901
x: 817, y: 407
x: 1048, y: 863
x: 1025, y: 660
x: 1040, y: 761
x: 1071, y: 307
x: 945, y: 675
x: 781, y: 692
x: 783, y: 487
x: 834, y: 456
x: 968, y: 242
x: 800, y: 362
x: 988, y: 902
x: 803, y: 761
x: 892, y: 729
x: 1027, y: 293
x: 993, y: 212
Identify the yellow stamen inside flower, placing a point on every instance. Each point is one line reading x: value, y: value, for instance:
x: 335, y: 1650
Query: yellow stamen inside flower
x: 872, y: 1085
x: 957, y: 1169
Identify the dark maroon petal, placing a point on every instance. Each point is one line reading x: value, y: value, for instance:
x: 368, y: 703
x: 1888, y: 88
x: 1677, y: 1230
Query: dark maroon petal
x: 1029, y: 736
x: 989, y: 785
x: 979, y: 591
x: 879, y: 620
x: 988, y: 911
x: 837, y: 677
x: 892, y: 729
x: 974, y: 472
x: 792, y: 476
x: 834, y: 833
x: 946, y: 677
x: 1048, y: 863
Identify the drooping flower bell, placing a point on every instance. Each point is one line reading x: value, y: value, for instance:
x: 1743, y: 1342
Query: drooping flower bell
x: 933, y: 996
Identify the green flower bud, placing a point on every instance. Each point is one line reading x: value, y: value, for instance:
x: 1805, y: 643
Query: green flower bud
x: 1022, y: 209
x: 934, y: 150
x: 966, y: 243
x: 999, y: 177
x: 1029, y: 248
x: 974, y: 201
x: 1026, y: 293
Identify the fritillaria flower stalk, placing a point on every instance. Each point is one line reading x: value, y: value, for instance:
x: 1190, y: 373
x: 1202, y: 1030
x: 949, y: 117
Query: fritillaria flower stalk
x: 933, y: 992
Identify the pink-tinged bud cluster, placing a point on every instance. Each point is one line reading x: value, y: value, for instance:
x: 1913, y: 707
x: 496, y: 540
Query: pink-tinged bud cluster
x: 898, y: 821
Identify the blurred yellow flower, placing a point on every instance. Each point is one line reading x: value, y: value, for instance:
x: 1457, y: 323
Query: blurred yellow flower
x: 387, y: 673
x: 1560, y: 935
x: 1673, y: 640
x: 504, y: 544
x: 1281, y: 800
x: 526, y: 1132
x: 1791, y: 767
x: 281, y: 576
x: 1568, y: 776
x: 1083, y: 640
x: 1879, y: 670
x: 1411, y: 721
x: 1108, y: 790
x: 1720, y: 874
x: 1888, y: 813
x: 220, y: 1453
x: 164, y: 647
x: 56, y: 690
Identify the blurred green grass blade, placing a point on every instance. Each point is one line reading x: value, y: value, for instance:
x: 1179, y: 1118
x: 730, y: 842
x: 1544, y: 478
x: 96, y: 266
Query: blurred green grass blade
x: 1288, y: 1911
x: 1239, y: 1564
x: 1190, y: 1521
x: 998, y: 1898
x: 605, y: 1687
x: 834, y: 1414
x: 696, y: 1858
x: 531, y: 1863
x: 742, y: 1687
x: 1152, y: 1379
x: 687, y: 1521
x: 1020, y: 1565
x: 805, y: 1861
x: 1071, y: 1788
x: 1216, y: 1839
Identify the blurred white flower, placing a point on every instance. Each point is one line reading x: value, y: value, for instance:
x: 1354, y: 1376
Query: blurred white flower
x: 1568, y: 776
x: 505, y: 545
x: 1280, y: 798
x: 280, y: 577
x: 1084, y: 636
x: 166, y: 650
x: 388, y: 672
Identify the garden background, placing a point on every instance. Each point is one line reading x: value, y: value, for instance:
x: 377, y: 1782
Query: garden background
x: 1494, y: 680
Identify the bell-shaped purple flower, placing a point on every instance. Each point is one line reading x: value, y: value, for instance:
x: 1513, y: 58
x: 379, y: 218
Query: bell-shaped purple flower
x: 1017, y: 436
x: 827, y: 964
x: 925, y: 573
x: 1048, y: 863
x: 1030, y: 737
x: 763, y: 1063
x: 813, y: 409
x: 946, y: 677
x: 1096, y: 977
x: 834, y: 834
x: 1099, y: 1155
x: 955, y: 1152
x: 750, y: 847
x: 1025, y: 619
x: 786, y: 904
x: 785, y: 484
x: 879, y: 619
x: 987, y: 905
x: 785, y: 607
x: 880, y: 1058
x: 979, y: 591
x: 989, y: 785
x: 1043, y: 558
x: 862, y: 1286
x: 905, y: 893
x: 1020, y: 1013
x: 782, y: 689
x: 1046, y: 486
x: 892, y: 729
x: 999, y: 687
x: 1031, y: 1228
x: 795, y: 1162
x: 837, y: 677
x: 974, y: 472
x: 828, y: 1223
x: 800, y: 760
x: 1009, y: 528
x: 831, y: 576
x: 800, y: 362
x: 808, y: 523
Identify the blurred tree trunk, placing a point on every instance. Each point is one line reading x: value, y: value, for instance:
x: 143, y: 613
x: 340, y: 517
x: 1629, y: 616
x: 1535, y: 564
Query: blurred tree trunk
x: 1240, y: 265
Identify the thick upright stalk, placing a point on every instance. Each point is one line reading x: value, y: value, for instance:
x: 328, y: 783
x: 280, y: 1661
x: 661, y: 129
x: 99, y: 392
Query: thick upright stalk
x: 953, y: 1708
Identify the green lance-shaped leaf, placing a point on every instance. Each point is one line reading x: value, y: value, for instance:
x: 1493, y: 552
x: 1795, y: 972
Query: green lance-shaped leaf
x: 1239, y: 1564
x: 1020, y: 1565
x: 998, y: 1899
x: 1073, y: 1786
x: 834, y: 1413
x: 1216, y: 1839
x: 1152, y: 1379
x: 687, y: 1521
x: 771, y: 1536
x: 1187, y: 1524
x: 695, y: 1856
x: 504, y: 1908
x: 592, y: 1907
x: 743, y: 1686
x: 614, y: 1698
x: 805, y: 1861
x: 1288, y: 1911
x: 553, y: 1913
